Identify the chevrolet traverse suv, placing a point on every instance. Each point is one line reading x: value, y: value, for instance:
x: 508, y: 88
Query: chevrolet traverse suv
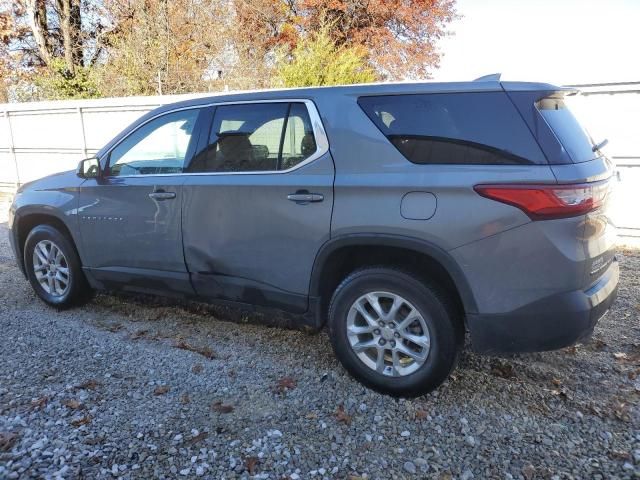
x: 401, y: 215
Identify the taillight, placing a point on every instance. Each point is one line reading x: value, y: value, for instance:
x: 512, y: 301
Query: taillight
x: 545, y: 202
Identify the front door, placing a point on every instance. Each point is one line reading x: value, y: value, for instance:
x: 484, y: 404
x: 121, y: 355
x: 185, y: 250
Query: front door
x: 130, y: 218
x: 258, y: 208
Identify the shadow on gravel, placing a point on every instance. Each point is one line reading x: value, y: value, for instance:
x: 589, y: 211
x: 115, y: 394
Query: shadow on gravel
x: 121, y: 302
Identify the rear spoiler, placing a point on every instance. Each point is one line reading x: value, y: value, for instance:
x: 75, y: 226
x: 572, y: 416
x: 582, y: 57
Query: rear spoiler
x: 527, y: 86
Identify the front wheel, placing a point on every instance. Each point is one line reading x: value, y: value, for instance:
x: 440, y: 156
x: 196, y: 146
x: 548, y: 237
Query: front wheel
x: 53, y: 268
x: 394, y: 332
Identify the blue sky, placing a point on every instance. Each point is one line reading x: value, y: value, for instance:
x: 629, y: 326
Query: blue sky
x: 561, y: 41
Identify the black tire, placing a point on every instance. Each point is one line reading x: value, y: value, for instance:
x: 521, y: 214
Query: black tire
x: 442, y: 318
x: 78, y: 290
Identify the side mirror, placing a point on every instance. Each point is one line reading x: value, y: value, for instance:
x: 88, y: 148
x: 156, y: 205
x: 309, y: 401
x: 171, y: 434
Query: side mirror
x: 88, y: 168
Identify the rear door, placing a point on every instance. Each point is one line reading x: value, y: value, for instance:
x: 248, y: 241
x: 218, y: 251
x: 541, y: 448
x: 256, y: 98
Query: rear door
x: 257, y: 203
x: 130, y: 219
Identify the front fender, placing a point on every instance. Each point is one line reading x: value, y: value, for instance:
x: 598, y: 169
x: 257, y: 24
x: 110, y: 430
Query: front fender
x: 31, y: 207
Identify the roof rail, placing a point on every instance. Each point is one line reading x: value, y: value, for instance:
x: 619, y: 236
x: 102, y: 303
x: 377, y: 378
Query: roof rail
x: 494, y: 77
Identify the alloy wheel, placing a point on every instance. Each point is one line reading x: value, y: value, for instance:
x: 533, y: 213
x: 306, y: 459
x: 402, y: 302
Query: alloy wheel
x: 51, y: 268
x: 388, y: 334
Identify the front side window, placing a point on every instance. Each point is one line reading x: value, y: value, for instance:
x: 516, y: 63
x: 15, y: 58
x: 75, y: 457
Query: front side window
x: 159, y: 146
x: 477, y: 128
x: 257, y: 137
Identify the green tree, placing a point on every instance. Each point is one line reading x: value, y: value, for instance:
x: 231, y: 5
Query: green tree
x: 317, y: 60
x: 58, y: 83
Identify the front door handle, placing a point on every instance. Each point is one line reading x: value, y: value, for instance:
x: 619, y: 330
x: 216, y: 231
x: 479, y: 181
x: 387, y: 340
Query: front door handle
x: 303, y: 197
x: 162, y: 195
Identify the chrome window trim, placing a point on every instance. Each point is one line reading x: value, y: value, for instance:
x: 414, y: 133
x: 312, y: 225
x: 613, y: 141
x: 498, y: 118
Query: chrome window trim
x: 322, y: 142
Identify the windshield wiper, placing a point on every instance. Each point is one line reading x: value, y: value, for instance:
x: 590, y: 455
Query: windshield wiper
x: 600, y: 145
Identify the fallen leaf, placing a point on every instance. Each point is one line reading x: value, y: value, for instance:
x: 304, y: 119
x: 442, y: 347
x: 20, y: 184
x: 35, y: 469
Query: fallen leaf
x: 138, y: 334
x: 7, y: 441
x: 619, y: 455
x: 220, y: 407
x: 557, y: 382
x: 184, y: 398
x: 197, y: 368
x: 94, y: 440
x: 81, y: 421
x: 311, y: 416
x: 342, y: 416
x: 40, y: 402
x: 504, y: 370
x: 599, y: 344
x: 197, y: 438
x: 284, y: 384
x: 571, y: 350
x: 250, y: 464
x: 88, y: 385
x: 633, y: 358
x: 204, y: 351
x: 161, y: 390
x: 421, y: 414
x: 528, y: 471
x: 116, y: 327
x: 560, y: 392
x: 622, y: 411
x: 72, y: 404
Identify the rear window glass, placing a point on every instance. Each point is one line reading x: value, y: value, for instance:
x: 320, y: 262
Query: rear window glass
x: 454, y: 128
x: 573, y: 137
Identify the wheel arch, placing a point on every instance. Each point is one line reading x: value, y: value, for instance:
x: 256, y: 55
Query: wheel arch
x: 25, y: 221
x: 343, y: 254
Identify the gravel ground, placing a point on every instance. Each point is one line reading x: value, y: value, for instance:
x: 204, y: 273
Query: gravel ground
x: 137, y: 388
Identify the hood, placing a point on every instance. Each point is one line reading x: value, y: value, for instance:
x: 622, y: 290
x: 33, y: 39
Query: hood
x: 56, y: 181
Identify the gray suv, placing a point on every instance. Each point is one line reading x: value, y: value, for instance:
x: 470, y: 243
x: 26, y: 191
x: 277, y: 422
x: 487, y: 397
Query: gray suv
x: 402, y: 215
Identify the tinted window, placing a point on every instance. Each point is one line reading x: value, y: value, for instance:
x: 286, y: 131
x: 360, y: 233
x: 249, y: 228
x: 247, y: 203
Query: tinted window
x: 454, y: 128
x: 257, y: 137
x: 159, y: 146
x: 570, y: 133
x: 298, y: 143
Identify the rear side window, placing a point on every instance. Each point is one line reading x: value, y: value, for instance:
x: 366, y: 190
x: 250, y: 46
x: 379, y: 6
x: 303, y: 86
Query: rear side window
x: 570, y: 133
x: 257, y: 137
x: 481, y: 128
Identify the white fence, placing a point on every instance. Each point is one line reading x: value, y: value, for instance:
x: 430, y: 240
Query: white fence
x: 40, y: 138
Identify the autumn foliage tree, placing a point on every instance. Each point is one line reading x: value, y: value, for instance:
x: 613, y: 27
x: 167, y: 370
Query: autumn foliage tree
x: 318, y: 60
x: 398, y: 36
x: 53, y: 42
x: 161, y: 46
x: 88, y: 48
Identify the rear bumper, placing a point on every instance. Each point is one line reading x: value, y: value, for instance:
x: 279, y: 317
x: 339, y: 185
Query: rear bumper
x: 548, y: 324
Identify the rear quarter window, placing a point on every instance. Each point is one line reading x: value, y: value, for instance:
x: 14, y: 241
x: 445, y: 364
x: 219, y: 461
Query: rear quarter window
x: 573, y: 137
x: 482, y: 128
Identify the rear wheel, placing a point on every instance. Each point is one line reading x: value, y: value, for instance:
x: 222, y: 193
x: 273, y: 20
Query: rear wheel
x: 394, y: 332
x: 53, y: 268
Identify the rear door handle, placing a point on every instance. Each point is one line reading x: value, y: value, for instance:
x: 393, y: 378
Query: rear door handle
x: 303, y: 197
x: 162, y: 195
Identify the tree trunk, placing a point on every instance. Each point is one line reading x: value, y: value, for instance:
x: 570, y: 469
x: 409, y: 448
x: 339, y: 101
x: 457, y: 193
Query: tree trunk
x: 76, y: 32
x: 69, y: 11
x: 37, y: 13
